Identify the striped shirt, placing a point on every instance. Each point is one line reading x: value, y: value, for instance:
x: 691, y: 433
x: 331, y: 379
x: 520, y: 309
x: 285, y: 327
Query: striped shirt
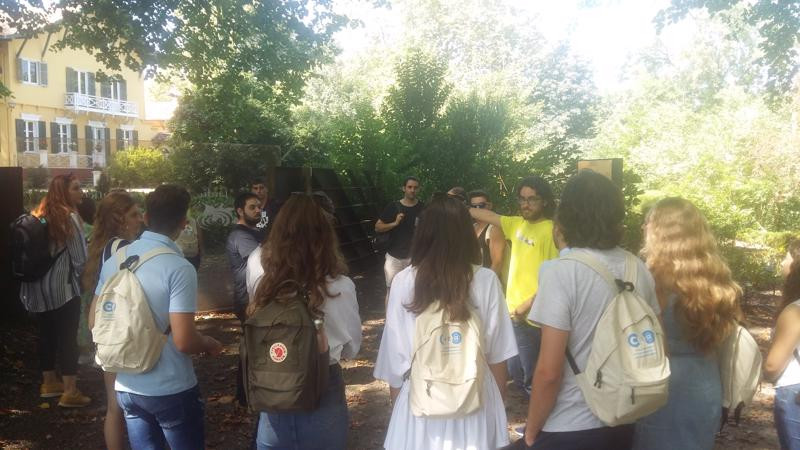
x: 62, y: 282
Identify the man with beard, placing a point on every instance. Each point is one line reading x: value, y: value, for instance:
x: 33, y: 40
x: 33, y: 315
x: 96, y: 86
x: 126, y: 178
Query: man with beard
x: 531, y: 236
x: 268, y: 206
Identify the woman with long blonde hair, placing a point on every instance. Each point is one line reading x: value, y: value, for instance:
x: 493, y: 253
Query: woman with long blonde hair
x: 118, y: 218
x: 700, y: 304
x: 55, y: 298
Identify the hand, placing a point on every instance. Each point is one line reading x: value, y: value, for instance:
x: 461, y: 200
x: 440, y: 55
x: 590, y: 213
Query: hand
x: 322, y: 340
x: 213, y: 347
x: 399, y: 218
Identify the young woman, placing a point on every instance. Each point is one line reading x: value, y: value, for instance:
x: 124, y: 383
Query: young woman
x: 118, y: 216
x: 55, y: 298
x: 783, y: 360
x: 443, y: 254
x: 302, y: 246
x: 700, y: 304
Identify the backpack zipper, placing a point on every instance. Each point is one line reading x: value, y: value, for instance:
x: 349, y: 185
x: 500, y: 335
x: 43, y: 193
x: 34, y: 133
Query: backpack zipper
x: 598, y: 381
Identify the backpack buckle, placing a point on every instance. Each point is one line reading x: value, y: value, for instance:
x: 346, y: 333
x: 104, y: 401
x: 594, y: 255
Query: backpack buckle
x: 624, y: 285
x: 129, y: 262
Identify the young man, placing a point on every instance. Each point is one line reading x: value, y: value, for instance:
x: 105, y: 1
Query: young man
x: 241, y: 242
x: 269, y: 207
x: 165, y: 402
x: 571, y: 299
x: 400, y: 218
x: 531, y: 236
x: 490, y: 237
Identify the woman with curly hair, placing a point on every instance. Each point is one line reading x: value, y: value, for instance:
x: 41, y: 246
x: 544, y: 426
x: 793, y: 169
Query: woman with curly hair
x: 700, y: 304
x: 302, y: 247
x: 118, y: 220
x: 55, y: 298
x: 783, y: 360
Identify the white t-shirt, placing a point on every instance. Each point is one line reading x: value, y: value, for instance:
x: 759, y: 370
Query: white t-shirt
x: 485, y: 428
x: 791, y: 374
x: 342, y: 321
x: 572, y: 297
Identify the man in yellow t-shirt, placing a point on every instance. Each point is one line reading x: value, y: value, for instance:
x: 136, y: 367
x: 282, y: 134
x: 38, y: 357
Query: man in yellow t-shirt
x: 531, y: 237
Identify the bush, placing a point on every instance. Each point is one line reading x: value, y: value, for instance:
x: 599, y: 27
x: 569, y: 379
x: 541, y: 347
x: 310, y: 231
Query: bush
x: 139, y: 168
x: 37, y: 177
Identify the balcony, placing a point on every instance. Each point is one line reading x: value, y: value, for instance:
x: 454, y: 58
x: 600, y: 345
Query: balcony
x: 102, y: 105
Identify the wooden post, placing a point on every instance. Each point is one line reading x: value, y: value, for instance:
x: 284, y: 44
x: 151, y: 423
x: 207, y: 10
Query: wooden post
x: 10, y: 208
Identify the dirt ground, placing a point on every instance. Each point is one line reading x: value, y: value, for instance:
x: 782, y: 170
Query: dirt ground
x: 28, y: 422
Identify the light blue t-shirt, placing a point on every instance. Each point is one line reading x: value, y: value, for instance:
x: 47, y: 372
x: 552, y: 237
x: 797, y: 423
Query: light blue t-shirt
x: 170, y: 283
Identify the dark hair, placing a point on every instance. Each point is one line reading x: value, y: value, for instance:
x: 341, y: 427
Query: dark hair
x: 242, y: 199
x: 791, y: 286
x: 458, y: 192
x: 302, y: 246
x: 479, y: 193
x: 166, y: 207
x: 87, y: 209
x: 443, y: 251
x: 591, y: 211
x: 543, y: 190
x: 405, y: 182
x: 256, y: 181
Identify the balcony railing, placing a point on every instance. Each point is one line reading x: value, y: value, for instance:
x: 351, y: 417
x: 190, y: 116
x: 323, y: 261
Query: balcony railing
x: 74, y: 154
x: 102, y: 105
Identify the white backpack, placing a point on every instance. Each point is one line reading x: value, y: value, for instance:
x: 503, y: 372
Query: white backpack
x: 447, y: 366
x: 627, y: 373
x: 739, y: 370
x: 127, y: 337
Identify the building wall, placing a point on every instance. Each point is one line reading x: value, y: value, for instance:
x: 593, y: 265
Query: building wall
x: 48, y: 102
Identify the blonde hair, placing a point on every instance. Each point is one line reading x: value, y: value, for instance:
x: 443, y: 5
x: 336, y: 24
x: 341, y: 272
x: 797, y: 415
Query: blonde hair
x: 682, y: 255
x: 108, y: 222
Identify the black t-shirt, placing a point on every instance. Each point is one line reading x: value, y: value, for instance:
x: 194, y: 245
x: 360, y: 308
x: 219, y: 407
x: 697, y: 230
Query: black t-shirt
x: 402, y: 234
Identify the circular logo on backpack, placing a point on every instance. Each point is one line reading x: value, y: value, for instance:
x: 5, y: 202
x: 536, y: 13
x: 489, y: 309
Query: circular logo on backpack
x: 649, y: 336
x: 108, y: 306
x: 633, y: 340
x: 456, y: 337
x: 277, y: 352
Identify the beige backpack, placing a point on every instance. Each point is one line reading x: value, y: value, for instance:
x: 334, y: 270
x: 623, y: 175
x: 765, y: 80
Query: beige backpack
x: 127, y: 337
x: 739, y: 370
x: 627, y: 373
x: 447, y: 366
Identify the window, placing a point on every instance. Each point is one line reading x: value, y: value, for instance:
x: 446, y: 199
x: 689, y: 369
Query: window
x: 99, y: 139
x: 114, y: 89
x: 32, y: 72
x: 31, y: 136
x: 64, y: 137
x: 80, y: 82
x: 127, y: 138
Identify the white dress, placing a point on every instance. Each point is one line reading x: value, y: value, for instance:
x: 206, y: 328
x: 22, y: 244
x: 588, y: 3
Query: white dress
x: 486, y: 428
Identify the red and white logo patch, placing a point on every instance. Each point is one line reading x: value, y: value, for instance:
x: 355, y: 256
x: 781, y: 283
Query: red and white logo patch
x: 277, y: 352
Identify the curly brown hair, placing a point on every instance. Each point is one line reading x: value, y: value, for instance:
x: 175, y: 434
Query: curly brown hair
x: 108, y: 222
x: 55, y: 207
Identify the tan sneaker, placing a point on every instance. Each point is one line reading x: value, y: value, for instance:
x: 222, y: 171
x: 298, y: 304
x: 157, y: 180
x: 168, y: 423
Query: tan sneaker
x: 73, y: 400
x: 49, y: 390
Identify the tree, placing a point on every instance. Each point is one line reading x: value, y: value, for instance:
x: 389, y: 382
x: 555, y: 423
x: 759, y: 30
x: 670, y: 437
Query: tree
x: 776, y: 22
x: 139, y: 168
x: 275, y: 42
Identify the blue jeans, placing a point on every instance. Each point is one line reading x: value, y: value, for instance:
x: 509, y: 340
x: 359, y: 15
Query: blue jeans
x: 176, y: 418
x: 521, y: 367
x: 323, y: 428
x: 787, y: 416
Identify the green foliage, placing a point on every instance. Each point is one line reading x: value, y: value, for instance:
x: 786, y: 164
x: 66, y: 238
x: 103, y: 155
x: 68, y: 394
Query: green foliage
x: 103, y: 184
x: 776, y: 22
x: 139, y: 167
x: 4, y: 91
x: 37, y: 177
x: 201, y: 166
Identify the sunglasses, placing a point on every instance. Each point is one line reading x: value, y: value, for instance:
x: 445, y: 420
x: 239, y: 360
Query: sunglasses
x: 482, y: 205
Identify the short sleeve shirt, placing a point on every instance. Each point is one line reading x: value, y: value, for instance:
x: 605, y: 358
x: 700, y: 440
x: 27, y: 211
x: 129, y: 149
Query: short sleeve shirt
x: 402, y: 234
x: 531, y: 245
x: 170, y: 284
x: 241, y: 242
x: 572, y: 297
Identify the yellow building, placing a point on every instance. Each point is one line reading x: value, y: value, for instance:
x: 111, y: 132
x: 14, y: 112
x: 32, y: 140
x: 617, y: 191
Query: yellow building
x: 60, y: 115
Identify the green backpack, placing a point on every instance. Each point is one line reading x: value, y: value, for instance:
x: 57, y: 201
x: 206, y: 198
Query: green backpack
x: 283, y: 368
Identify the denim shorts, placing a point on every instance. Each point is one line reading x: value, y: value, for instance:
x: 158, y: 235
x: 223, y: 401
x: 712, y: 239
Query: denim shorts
x: 787, y: 416
x: 324, y: 428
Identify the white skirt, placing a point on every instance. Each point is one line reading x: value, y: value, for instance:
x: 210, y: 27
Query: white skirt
x: 485, y: 429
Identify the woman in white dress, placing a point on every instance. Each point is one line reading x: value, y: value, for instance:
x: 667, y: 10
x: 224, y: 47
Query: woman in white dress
x: 443, y: 255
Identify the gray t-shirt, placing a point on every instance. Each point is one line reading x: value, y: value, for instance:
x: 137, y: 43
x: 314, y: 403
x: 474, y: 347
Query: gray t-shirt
x: 572, y: 297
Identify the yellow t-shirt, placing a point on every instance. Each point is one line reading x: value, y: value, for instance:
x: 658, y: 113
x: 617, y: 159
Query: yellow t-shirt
x: 531, y: 245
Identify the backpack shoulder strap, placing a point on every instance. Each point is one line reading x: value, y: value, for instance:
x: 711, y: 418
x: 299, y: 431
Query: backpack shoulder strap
x: 631, y: 268
x: 136, y: 261
x: 597, y: 266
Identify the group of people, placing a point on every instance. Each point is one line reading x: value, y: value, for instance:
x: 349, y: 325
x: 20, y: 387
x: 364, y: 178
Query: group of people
x: 505, y: 274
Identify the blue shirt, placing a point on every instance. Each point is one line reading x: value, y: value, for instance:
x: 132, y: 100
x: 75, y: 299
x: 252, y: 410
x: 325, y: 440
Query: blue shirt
x: 170, y: 283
